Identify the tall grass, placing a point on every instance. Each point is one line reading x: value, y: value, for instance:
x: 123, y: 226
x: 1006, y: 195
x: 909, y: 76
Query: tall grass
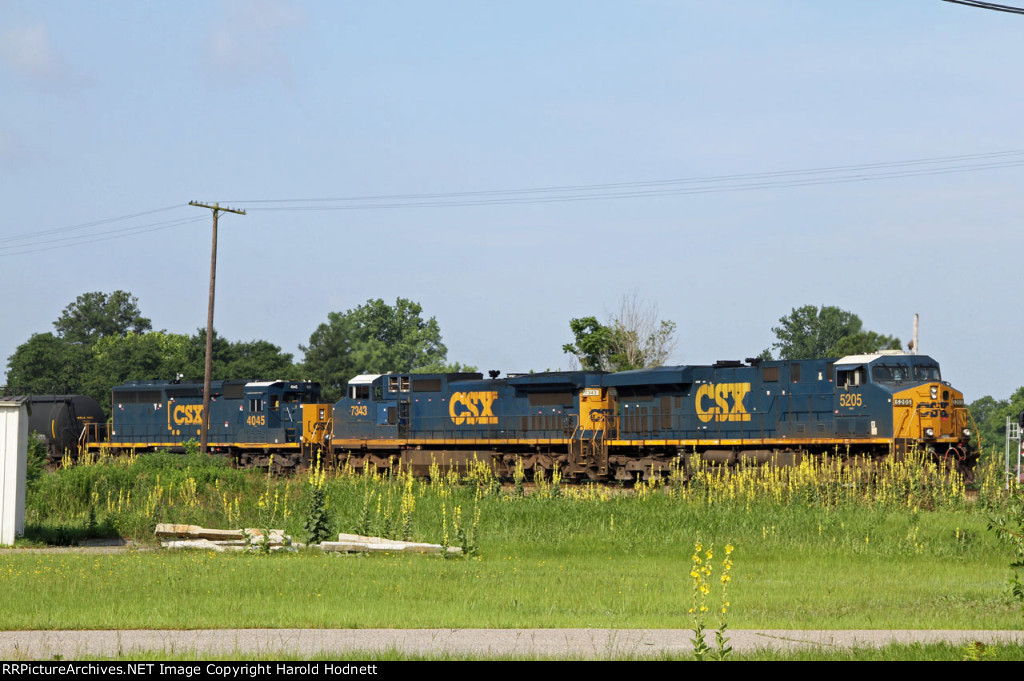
x: 902, y: 545
x: 127, y: 497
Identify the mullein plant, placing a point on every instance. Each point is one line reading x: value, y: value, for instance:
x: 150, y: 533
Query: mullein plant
x: 700, y: 573
x: 317, y: 525
x: 408, y: 504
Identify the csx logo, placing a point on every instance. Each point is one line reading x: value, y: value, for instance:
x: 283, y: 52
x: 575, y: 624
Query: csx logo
x: 188, y: 414
x: 722, y: 402
x: 473, y: 408
x: 933, y: 409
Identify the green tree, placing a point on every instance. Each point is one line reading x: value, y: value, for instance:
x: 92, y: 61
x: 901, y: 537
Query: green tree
x: 375, y: 338
x: 259, y: 359
x: 594, y: 344
x: 135, y: 357
x: 446, y: 368
x: 633, y: 338
x: 47, y: 364
x: 990, y: 419
x: 103, y: 340
x: 95, y: 315
x: 810, y: 332
x: 256, y: 359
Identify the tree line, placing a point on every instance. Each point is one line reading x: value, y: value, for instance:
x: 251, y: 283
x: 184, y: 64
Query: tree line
x: 101, y: 340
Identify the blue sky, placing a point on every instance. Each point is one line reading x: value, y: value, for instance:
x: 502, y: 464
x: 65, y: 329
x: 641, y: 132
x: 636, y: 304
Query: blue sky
x: 118, y: 108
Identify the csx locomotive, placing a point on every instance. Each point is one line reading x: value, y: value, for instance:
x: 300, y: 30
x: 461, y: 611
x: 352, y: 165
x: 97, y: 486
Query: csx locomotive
x: 594, y: 425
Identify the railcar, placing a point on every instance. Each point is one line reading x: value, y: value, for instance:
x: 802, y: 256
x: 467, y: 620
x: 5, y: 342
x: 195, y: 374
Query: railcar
x: 451, y: 418
x: 634, y: 424
x: 64, y: 423
x: 249, y: 420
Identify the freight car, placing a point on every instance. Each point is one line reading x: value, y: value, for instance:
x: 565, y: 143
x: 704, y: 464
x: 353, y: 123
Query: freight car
x: 634, y: 424
x: 64, y: 423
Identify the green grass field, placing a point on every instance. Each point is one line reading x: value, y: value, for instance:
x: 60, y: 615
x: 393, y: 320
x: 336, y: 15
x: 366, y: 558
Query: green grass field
x: 835, y: 554
x: 893, y: 652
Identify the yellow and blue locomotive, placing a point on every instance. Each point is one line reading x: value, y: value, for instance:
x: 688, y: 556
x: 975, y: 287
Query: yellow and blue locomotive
x: 633, y: 424
x: 594, y: 425
x: 249, y: 420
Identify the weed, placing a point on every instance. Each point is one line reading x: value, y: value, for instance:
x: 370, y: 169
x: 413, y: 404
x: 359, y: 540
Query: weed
x: 700, y: 573
x: 1009, y: 528
x: 976, y: 652
x: 317, y: 525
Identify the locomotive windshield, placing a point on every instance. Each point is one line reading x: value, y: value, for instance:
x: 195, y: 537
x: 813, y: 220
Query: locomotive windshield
x: 890, y: 373
x: 898, y: 373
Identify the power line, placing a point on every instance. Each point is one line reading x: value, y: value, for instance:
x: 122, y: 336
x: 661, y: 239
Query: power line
x: 95, y: 223
x: 688, y: 186
x: 647, y: 183
x: 35, y: 241
x: 89, y: 239
x: 989, y: 5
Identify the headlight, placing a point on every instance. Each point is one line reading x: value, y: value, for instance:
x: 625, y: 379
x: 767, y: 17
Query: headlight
x: 966, y: 432
x: 929, y: 432
x: 935, y: 392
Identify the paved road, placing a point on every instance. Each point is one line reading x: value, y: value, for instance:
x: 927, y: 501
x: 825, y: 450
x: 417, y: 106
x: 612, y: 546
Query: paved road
x: 556, y: 643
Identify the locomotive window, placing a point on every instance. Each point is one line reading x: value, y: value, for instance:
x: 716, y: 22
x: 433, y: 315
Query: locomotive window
x: 393, y: 383
x: 275, y: 401
x: 887, y: 373
x: 851, y: 378
x: 378, y: 393
x: 794, y: 372
x: 359, y: 392
x: 771, y: 373
x: 404, y: 384
x: 926, y: 373
x: 256, y: 404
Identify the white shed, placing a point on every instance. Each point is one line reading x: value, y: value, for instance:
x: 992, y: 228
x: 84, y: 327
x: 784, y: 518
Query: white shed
x: 13, y: 465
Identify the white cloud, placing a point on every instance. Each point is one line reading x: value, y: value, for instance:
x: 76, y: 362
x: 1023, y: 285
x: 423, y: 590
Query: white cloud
x: 27, y: 49
x: 249, y: 43
x: 15, y: 154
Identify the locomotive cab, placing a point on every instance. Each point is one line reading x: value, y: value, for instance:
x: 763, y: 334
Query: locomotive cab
x: 927, y: 413
x: 283, y: 412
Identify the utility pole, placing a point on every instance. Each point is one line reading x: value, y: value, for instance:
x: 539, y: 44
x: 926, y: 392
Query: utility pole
x: 205, y: 432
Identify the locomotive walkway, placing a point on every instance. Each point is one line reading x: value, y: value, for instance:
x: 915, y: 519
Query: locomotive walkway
x: 550, y: 643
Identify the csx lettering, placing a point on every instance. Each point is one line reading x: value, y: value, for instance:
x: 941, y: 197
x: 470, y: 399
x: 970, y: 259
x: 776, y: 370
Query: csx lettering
x: 726, y: 402
x: 188, y: 414
x: 473, y: 408
x: 933, y: 409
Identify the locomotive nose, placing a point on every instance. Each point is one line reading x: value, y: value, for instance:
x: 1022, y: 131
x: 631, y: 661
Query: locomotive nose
x: 931, y: 412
